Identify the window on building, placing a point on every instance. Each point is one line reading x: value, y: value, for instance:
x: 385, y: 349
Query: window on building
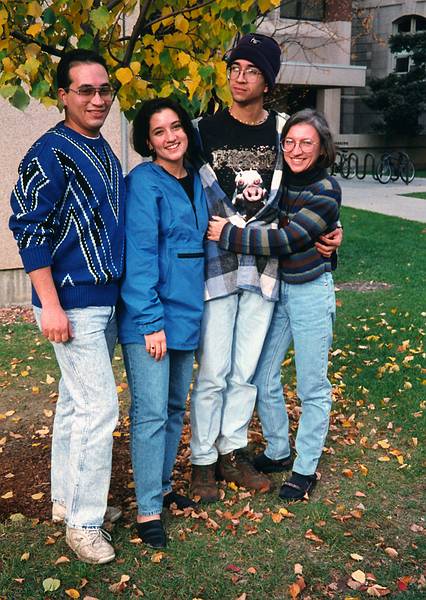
x: 308, y: 10
x: 407, y: 24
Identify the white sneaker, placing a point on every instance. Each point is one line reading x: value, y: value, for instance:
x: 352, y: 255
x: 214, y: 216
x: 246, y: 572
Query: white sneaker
x: 90, y: 545
x: 112, y: 513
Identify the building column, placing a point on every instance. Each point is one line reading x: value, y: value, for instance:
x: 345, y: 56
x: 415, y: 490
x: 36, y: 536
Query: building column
x: 328, y: 102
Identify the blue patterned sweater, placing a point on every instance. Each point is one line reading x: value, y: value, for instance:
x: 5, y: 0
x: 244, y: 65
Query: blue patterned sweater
x: 68, y: 213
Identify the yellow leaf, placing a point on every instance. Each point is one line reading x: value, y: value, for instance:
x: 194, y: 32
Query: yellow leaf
x: 34, y: 9
x: 158, y: 557
x: 158, y: 46
x: 9, y: 413
x: 72, y: 593
x: 131, y: 485
x: 232, y: 486
x: 384, y: 459
x: 7, y: 495
x: 246, y: 5
x: 183, y: 58
x: 34, y: 30
x: 124, y: 75
x: 24, y: 373
x: 8, y: 65
x: 49, y: 379
x: 135, y: 67
x: 359, y: 576
x: 383, y: 444
x: 37, y: 496
x: 35, y: 389
x: 356, y: 556
x: 181, y: 23
x: 48, y: 102
x: 25, y: 556
x: 363, y: 469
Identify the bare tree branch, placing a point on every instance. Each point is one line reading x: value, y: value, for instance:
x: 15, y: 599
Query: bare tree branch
x: 29, y: 40
x: 136, y: 32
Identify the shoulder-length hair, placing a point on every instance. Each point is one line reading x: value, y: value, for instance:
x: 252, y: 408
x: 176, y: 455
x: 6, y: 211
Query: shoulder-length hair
x: 319, y: 122
x: 140, y: 134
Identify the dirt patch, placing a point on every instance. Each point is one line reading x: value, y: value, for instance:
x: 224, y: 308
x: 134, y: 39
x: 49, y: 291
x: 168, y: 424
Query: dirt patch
x: 364, y: 286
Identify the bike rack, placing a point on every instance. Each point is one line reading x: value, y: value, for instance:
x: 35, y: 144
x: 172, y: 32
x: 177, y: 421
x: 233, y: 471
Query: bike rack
x: 389, y: 167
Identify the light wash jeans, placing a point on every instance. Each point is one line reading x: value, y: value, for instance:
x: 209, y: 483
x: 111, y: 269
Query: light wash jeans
x: 304, y: 314
x: 86, y: 416
x: 159, y: 390
x: 222, y: 402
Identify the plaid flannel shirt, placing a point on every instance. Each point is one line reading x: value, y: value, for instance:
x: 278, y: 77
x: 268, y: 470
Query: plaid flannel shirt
x: 226, y: 272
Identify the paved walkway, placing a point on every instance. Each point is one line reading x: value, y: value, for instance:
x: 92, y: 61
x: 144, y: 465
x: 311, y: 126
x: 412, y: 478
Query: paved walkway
x: 368, y: 194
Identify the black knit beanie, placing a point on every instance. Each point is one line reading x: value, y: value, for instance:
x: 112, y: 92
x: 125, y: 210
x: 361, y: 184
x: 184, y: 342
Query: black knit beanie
x: 261, y: 50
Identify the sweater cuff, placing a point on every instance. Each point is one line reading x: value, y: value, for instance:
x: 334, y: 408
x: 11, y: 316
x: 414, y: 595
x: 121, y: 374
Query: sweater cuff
x: 224, y: 240
x: 35, y: 257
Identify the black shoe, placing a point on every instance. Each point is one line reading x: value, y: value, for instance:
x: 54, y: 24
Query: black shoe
x: 267, y: 465
x: 181, y: 501
x: 152, y: 533
x: 298, y: 487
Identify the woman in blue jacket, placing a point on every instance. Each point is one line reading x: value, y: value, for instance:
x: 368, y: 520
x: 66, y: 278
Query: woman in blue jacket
x: 161, y: 301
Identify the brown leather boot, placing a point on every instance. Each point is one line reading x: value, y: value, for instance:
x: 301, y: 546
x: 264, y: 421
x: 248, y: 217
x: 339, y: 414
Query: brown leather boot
x: 203, y: 483
x: 236, y: 466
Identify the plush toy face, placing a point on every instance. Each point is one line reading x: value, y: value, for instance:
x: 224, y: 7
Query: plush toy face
x: 249, y: 194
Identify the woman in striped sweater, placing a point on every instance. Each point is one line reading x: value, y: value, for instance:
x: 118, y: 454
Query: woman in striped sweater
x: 309, y: 207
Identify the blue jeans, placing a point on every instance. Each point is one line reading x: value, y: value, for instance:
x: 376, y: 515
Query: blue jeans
x: 304, y: 314
x: 86, y: 416
x: 159, y: 390
x: 222, y: 402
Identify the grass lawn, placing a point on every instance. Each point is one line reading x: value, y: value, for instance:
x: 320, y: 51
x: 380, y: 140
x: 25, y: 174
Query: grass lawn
x: 361, y: 535
x: 421, y: 195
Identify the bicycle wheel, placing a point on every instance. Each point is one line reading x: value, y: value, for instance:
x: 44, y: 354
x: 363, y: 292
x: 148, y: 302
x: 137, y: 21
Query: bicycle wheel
x: 407, y: 171
x: 384, y: 171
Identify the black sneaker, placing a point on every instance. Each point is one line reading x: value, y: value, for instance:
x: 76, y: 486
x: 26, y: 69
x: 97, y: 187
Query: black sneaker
x: 267, y: 465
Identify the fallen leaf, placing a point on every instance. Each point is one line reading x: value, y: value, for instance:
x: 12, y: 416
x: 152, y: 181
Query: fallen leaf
x: 61, y: 560
x: 51, y: 585
x: 157, y: 557
x: 378, y: 591
x: 72, y: 593
x: 251, y: 570
x: 233, y: 568
x: 49, y: 379
x: 356, y: 556
x: 391, y: 552
x: 298, y: 569
x: 37, y: 496
x: 7, y: 495
x: 25, y: 556
x: 310, y: 535
x: 348, y: 473
x: 359, y: 576
x: 294, y: 590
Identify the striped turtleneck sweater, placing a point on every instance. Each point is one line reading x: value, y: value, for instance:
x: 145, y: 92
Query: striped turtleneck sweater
x: 309, y: 206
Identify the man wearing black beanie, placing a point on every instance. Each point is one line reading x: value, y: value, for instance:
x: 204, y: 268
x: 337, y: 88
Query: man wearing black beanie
x: 241, y: 144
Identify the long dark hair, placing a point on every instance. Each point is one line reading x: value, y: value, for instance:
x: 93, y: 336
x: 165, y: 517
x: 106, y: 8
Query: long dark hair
x: 140, y: 133
x: 319, y: 122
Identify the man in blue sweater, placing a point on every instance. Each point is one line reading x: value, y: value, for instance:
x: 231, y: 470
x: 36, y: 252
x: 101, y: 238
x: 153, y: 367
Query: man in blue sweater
x: 68, y: 206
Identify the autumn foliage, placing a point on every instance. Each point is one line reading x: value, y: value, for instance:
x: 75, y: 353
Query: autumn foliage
x: 152, y: 48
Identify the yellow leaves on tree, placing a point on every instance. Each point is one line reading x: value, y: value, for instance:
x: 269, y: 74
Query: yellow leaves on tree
x: 174, y: 48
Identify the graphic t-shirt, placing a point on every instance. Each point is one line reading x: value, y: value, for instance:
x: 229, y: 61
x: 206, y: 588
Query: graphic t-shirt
x: 236, y: 150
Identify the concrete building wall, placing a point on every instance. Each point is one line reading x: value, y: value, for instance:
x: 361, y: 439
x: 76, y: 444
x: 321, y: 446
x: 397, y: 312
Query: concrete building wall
x: 372, y: 26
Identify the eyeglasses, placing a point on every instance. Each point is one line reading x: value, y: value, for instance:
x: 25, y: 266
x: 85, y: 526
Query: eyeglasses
x: 89, y: 91
x: 250, y: 74
x: 306, y: 146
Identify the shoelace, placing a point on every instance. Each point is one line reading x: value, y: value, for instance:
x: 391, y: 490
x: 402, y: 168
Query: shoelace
x: 95, y: 533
